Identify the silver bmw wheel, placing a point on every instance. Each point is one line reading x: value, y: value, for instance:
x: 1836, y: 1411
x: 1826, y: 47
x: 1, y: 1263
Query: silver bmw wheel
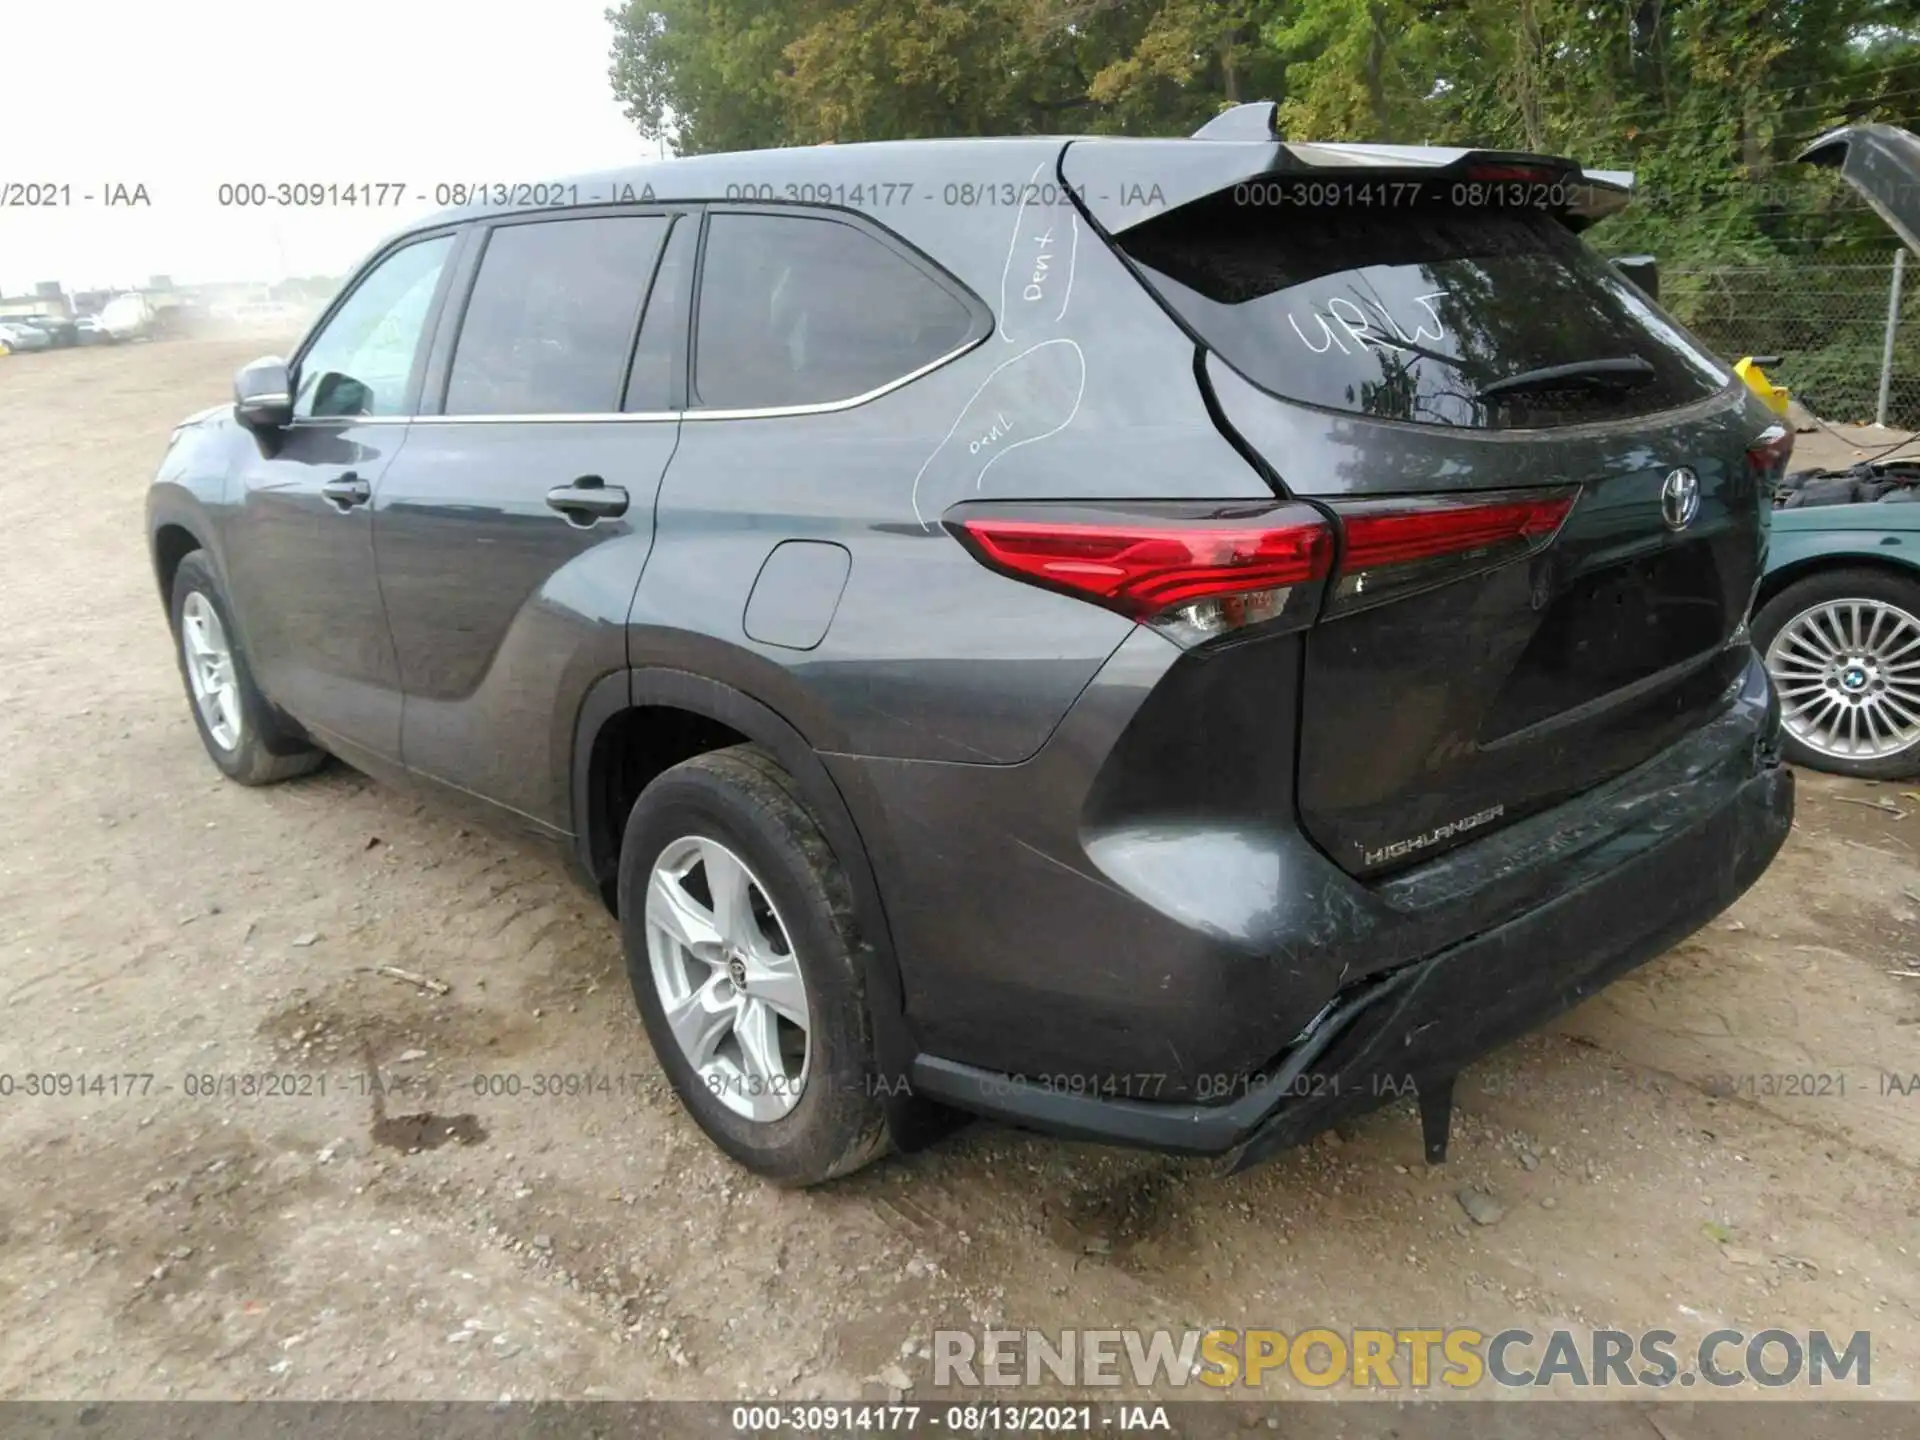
x: 1848, y: 673
x: 210, y: 672
x: 729, y: 982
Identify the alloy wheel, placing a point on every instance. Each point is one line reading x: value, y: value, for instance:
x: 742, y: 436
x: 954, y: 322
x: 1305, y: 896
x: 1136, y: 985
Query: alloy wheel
x: 1848, y: 673
x: 210, y: 672
x: 728, y: 979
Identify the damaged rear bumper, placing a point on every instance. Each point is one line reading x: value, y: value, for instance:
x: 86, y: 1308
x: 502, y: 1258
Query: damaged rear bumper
x: 1412, y: 1028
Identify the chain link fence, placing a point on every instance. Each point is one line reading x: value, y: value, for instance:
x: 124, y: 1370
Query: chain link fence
x: 1828, y: 324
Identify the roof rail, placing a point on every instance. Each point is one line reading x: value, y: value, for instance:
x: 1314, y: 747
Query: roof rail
x: 1255, y: 120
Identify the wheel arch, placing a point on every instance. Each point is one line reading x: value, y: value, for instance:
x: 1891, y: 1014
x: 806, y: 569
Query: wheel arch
x: 172, y: 543
x: 705, y: 714
x: 1843, y: 553
x: 175, y: 529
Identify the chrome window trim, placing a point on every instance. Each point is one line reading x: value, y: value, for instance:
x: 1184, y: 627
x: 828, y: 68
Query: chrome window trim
x: 316, y: 422
x: 768, y: 412
x: 828, y: 407
x: 552, y: 417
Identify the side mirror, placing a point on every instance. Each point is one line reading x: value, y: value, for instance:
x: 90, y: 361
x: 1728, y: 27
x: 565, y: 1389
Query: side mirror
x: 263, y: 394
x: 1643, y: 271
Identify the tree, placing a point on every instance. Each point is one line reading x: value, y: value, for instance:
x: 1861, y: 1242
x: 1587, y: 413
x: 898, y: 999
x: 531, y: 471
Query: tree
x: 1704, y: 99
x: 702, y: 73
x: 738, y: 74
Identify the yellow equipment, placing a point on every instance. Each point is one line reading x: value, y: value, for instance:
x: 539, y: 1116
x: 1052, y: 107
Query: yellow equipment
x: 1775, y: 396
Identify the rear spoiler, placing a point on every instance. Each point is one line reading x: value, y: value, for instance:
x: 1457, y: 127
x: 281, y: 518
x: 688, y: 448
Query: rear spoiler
x: 1598, y: 194
x: 1882, y: 162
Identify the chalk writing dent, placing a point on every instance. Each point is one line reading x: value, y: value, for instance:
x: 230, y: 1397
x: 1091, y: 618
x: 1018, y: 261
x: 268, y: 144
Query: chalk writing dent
x: 1036, y: 392
x: 999, y: 430
x: 1036, y: 286
x: 1041, y: 384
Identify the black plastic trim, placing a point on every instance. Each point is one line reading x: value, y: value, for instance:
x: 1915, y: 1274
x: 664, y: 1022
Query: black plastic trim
x: 1182, y: 1129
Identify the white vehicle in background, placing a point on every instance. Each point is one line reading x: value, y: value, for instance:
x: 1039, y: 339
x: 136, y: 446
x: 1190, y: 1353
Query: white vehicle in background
x: 127, y: 317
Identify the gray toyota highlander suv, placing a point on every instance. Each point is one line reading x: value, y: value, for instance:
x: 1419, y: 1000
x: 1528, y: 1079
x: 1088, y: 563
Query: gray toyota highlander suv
x: 1164, y: 641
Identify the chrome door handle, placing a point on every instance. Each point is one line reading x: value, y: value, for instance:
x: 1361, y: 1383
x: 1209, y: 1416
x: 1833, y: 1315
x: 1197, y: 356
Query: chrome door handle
x: 347, y: 491
x: 588, y: 499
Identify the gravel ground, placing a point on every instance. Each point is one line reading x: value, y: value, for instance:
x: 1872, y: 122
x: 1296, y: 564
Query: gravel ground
x: 157, y: 921
x: 1838, y: 446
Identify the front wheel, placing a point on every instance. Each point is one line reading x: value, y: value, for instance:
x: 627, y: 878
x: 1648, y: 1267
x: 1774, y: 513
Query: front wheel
x: 1843, y: 648
x: 745, y: 962
x: 236, y: 725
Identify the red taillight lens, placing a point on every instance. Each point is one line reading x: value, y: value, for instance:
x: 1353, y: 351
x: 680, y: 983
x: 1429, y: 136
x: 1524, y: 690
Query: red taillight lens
x: 1431, y: 529
x: 1191, y: 578
x: 1395, y: 547
x: 1143, y: 570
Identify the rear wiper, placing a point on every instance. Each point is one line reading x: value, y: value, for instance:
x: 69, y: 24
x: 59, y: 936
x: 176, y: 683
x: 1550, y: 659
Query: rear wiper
x: 1626, y: 370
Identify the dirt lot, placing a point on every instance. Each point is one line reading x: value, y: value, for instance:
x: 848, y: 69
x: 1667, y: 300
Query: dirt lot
x: 155, y: 920
x: 1838, y: 446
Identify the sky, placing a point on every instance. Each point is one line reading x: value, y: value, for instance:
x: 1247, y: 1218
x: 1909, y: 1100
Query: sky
x: 185, y: 96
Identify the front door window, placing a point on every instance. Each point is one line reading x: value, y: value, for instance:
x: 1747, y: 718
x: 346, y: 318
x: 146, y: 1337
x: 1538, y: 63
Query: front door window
x: 361, y: 361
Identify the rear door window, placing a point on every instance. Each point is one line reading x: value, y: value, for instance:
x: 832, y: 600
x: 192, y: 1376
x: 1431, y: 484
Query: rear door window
x: 799, y: 310
x: 1410, y: 311
x: 657, y: 379
x: 549, y: 327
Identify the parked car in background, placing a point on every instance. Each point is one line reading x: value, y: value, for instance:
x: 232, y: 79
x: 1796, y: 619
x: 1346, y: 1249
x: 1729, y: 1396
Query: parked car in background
x: 1064, y: 659
x: 89, y: 331
x: 59, y: 329
x: 127, y: 317
x: 19, y: 336
x: 1838, y: 618
x: 1838, y: 611
x: 180, y: 320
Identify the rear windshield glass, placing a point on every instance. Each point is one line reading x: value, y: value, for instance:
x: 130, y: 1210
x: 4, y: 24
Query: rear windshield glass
x: 1412, y: 311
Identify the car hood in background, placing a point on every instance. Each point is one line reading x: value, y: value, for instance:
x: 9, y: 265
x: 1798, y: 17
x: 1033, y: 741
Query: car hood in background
x: 1874, y: 515
x: 1882, y: 162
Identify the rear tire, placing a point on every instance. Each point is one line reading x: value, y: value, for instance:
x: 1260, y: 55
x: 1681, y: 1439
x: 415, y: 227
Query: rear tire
x: 1826, y: 634
x: 735, y: 913
x: 242, y: 736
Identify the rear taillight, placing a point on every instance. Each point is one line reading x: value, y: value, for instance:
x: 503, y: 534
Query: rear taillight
x: 1767, y: 457
x: 1191, y: 573
x: 1194, y: 574
x: 1396, y: 547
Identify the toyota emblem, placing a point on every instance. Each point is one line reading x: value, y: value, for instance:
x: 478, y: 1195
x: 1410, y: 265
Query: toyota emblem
x: 1680, y: 498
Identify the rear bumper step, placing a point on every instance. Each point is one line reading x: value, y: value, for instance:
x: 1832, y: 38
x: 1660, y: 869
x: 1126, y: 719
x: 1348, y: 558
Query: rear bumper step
x: 1410, y: 1031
